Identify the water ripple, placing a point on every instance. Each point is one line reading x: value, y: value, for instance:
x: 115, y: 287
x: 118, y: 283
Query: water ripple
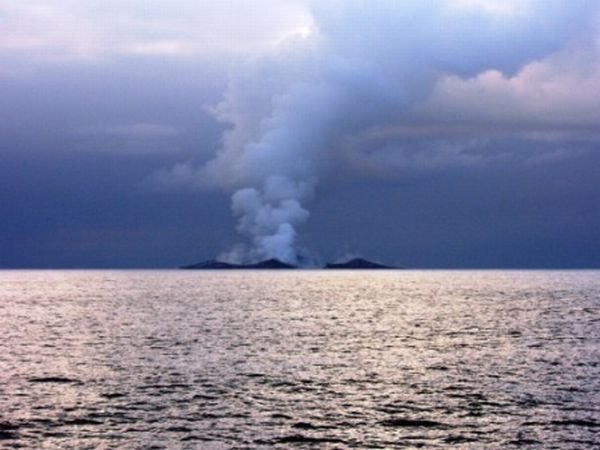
x: 168, y: 359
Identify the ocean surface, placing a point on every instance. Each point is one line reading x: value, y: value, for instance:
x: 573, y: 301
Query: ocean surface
x: 300, y: 359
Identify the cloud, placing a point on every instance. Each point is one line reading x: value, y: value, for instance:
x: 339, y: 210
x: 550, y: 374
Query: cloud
x: 104, y: 29
x: 555, y: 92
x: 182, y: 176
x: 134, y: 130
x: 130, y: 138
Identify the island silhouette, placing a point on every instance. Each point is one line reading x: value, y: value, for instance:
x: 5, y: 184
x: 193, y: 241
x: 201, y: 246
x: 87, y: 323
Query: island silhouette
x: 274, y: 264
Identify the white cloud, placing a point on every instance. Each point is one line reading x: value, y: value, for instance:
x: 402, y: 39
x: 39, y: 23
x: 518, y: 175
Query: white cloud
x: 101, y: 29
x: 557, y: 92
x: 494, y: 7
x: 165, y: 48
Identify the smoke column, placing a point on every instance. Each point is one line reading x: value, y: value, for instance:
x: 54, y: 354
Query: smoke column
x: 362, y: 67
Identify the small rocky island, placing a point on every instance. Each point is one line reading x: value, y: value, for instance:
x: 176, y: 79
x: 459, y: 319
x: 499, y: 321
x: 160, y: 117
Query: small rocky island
x: 357, y: 263
x: 220, y: 265
x: 274, y: 264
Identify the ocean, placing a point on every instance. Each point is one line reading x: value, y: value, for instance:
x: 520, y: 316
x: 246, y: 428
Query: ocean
x: 299, y: 359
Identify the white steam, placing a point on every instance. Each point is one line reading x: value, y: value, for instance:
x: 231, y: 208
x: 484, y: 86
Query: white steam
x: 270, y: 216
x: 364, y: 66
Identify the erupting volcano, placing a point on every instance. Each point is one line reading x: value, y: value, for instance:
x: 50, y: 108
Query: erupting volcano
x: 356, y: 263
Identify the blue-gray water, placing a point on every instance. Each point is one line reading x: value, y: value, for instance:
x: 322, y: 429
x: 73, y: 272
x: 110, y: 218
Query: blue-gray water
x: 299, y: 359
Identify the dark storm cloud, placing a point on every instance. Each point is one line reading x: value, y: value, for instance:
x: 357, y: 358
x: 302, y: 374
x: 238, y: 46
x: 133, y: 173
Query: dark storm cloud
x: 506, y: 214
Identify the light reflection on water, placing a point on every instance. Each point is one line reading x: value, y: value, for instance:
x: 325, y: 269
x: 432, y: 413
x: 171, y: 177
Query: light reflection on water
x: 299, y: 359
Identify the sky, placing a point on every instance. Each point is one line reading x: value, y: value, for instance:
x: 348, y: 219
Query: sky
x: 441, y: 134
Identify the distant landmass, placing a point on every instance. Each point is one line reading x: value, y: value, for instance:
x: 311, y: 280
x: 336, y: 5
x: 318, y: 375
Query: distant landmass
x: 356, y: 263
x: 220, y: 265
x: 271, y: 264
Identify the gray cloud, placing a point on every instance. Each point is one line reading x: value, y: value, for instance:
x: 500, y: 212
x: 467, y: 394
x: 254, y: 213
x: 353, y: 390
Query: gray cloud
x: 134, y: 130
x: 138, y: 138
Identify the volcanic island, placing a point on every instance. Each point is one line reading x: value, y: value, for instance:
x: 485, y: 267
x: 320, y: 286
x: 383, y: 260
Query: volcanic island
x: 275, y: 264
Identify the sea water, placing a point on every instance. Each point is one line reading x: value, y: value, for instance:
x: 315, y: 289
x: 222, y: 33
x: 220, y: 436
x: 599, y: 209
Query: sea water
x: 300, y: 359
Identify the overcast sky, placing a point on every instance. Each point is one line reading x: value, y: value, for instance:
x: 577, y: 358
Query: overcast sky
x: 458, y: 133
